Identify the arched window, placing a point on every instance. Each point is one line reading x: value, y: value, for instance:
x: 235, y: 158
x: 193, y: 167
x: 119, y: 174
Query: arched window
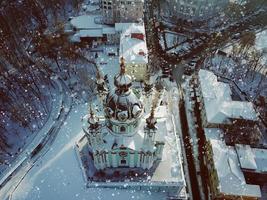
x: 123, y: 129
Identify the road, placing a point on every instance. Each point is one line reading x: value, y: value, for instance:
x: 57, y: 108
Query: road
x: 40, y: 144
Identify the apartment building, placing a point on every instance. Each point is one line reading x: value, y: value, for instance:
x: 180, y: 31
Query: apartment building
x: 196, y: 9
x: 121, y: 11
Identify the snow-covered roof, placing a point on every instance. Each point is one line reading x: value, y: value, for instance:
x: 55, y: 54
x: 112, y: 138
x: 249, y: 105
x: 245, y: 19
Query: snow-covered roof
x: 219, y: 106
x: 120, y: 27
x: 87, y: 26
x: 246, y: 157
x: 213, y: 133
x: 85, y: 22
x: 252, y: 158
x: 231, y: 180
x: 90, y: 33
x: 261, y: 159
x: 134, y: 50
x: 109, y: 30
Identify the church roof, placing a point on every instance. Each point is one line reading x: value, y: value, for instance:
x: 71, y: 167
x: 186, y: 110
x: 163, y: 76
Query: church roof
x: 122, y: 104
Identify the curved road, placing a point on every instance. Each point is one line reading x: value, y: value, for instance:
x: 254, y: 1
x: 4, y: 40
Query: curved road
x: 40, y: 145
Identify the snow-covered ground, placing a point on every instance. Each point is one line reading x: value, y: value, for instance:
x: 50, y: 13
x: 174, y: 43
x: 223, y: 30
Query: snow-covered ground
x: 58, y: 175
x: 26, y: 158
x: 261, y: 44
x: 19, y: 137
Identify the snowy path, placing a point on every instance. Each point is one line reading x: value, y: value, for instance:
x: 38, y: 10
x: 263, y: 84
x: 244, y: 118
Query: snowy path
x: 58, y: 175
x: 175, y: 99
x: 26, y: 158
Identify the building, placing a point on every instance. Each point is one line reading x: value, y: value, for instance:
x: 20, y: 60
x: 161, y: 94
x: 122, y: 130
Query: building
x: 134, y: 141
x: 124, y: 146
x: 226, y: 179
x: 88, y: 27
x: 122, y: 11
x: 227, y: 128
x: 133, y: 49
x: 196, y: 9
x: 218, y: 110
x: 253, y: 162
x: 130, y: 37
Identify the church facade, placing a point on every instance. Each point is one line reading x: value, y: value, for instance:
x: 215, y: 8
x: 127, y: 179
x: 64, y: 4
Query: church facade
x: 123, y: 138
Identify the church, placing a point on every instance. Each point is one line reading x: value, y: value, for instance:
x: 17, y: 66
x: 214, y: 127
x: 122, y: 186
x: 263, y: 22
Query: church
x: 130, y: 138
x: 120, y: 139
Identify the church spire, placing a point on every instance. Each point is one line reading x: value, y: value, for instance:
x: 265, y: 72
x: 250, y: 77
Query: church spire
x: 92, y: 119
x: 151, y: 121
x: 148, y: 84
x: 100, y: 83
x: 122, y: 81
x: 122, y: 66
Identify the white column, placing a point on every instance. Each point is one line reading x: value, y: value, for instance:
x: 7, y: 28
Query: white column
x: 150, y: 161
x: 114, y: 160
x: 96, y: 161
x: 144, y: 163
x: 160, y: 150
x: 107, y: 158
x: 103, y: 160
x: 131, y: 157
x: 100, y: 161
x: 138, y: 160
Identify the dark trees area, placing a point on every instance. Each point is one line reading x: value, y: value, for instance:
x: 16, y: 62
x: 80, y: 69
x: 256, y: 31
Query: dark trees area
x: 24, y: 70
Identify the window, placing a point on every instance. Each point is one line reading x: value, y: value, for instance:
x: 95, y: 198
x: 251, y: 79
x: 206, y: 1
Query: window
x: 123, y: 162
x: 123, y: 129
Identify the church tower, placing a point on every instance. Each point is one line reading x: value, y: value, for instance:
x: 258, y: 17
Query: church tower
x: 100, y: 84
x: 124, y: 138
x: 148, y: 85
x: 123, y: 109
x: 95, y: 140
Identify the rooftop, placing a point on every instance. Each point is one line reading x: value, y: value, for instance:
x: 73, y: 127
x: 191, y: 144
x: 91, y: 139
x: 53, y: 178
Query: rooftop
x: 219, y: 106
x: 133, y: 49
x: 89, y: 26
x: 252, y: 158
x: 230, y: 177
x: 86, y: 22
